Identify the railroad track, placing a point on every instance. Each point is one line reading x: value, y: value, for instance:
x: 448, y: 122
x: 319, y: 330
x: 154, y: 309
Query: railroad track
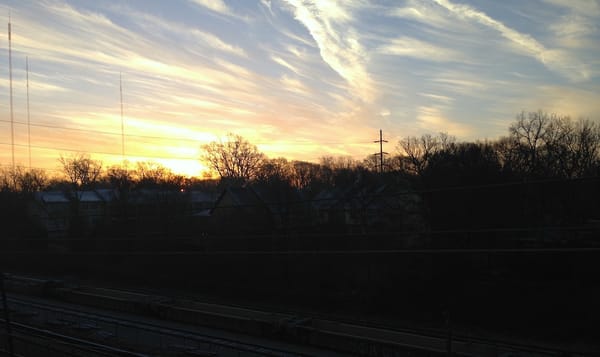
x: 32, y: 341
x: 346, y: 335
x: 122, y: 336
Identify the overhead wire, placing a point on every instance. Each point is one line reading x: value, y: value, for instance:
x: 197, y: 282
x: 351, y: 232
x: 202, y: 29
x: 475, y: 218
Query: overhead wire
x: 175, y: 138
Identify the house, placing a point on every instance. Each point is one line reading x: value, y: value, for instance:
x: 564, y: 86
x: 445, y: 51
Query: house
x: 240, y: 210
x: 287, y: 207
x: 92, y: 208
x: 260, y: 209
x: 52, y: 211
x: 201, y: 203
x: 327, y: 208
x: 56, y: 210
x: 368, y: 208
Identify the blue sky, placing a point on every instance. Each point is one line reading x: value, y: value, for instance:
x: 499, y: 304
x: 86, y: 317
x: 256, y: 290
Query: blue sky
x: 301, y: 79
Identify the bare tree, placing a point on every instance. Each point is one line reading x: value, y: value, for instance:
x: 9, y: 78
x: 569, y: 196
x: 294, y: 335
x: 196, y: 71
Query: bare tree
x: 571, y: 149
x: 588, y: 145
x: 7, y: 182
x: 531, y: 131
x: 30, y: 180
x: 81, y: 170
x: 235, y: 159
x: 150, y: 173
x: 550, y: 145
x: 275, y: 170
x: 153, y: 174
x: 419, y: 150
x: 372, y: 162
x: 304, y: 174
x: 339, y: 162
x: 120, y: 177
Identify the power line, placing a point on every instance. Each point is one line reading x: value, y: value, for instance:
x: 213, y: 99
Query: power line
x: 173, y: 138
x: 105, y: 152
x: 377, y: 252
x: 406, y: 192
x: 95, y: 131
x: 221, y: 237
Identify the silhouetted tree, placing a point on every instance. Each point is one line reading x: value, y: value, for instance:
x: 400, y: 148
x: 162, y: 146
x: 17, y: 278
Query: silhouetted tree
x: 511, y: 155
x: 153, y: 175
x: 120, y: 178
x: 24, y: 180
x: 235, y: 159
x: 30, y: 180
x: 338, y: 171
x: 81, y: 170
x: 550, y: 145
x: 419, y: 150
x: 372, y: 163
x: 82, y: 173
x: 149, y: 173
x: 305, y: 175
x: 274, y: 170
x: 530, y: 132
x: 571, y: 148
x: 464, y: 163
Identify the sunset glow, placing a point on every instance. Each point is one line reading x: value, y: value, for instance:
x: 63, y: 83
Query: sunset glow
x: 300, y: 79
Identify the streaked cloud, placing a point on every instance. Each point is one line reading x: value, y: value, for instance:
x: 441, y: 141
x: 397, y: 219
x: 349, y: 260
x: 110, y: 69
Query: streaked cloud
x: 213, y: 5
x: 411, y: 47
x: 554, y: 59
x: 300, y: 78
x: 285, y: 64
x: 329, y: 24
x: 432, y: 120
x: 438, y: 97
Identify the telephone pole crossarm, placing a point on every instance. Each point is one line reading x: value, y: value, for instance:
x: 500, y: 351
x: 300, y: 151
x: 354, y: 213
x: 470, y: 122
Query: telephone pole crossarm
x: 381, y: 152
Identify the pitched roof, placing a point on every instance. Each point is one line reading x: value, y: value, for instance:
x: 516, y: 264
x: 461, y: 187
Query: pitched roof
x: 107, y: 194
x: 201, y: 196
x: 244, y: 196
x: 52, y: 197
x: 89, y: 196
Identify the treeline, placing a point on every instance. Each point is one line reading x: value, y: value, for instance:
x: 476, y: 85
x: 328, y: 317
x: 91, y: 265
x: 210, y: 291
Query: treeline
x: 540, y: 181
x: 538, y: 145
x: 80, y: 171
x: 543, y: 173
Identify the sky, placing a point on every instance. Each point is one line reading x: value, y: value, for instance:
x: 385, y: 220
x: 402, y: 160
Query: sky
x: 300, y: 79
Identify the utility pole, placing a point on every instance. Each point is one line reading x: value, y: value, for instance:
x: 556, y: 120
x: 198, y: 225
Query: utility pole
x: 28, y: 117
x: 122, y: 121
x: 12, y: 118
x: 381, y: 152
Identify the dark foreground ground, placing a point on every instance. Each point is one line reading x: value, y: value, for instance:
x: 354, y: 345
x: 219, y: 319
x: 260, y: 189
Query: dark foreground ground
x: 538, y: 296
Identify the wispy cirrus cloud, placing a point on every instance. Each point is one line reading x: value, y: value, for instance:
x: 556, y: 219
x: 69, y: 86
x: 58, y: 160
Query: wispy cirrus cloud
x: 578, y: 28
x: 329, y: 24
x: 294, y: 70
x: 432, y: 119
x: 156, y: 25
x: 411, y: 47
x: 214, y: 5
x: 438, y: 97
x: 553, y: 59
x: 285, y: 64
x: 293, y: 85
